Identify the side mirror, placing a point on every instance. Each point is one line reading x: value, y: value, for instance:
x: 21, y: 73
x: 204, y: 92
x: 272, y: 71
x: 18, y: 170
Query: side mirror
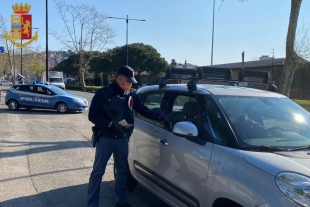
x: 185, y: 129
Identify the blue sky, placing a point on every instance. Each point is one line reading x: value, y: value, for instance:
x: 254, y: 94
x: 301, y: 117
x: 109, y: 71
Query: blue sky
x: 182, y: 29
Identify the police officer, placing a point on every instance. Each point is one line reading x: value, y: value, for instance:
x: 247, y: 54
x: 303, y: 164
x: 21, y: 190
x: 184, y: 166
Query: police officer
x: 111, y: 112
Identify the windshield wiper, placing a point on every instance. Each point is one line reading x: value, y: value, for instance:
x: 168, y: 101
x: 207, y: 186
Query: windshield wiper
x: 299, y: 148
x: 265, y: 148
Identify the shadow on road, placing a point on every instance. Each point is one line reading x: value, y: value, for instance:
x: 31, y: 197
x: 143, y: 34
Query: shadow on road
x: 76, y: 196
x: 37, y: 112
x: 46, y: 147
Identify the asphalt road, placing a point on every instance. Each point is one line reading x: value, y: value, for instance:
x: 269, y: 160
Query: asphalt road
x: 46, y: 160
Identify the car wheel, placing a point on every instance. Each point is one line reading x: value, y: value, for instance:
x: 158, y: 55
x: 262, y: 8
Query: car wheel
x: 131, y: 181
x: 62, y: 107
x: 13, y: 105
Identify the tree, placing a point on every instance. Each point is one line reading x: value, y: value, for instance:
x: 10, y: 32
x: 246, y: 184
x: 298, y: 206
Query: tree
x: 141, y: 57
x: 69, y: 65
x: 36, y: 67
x: 291, y: 59
x: 85, y: 32
x: 302, y: 43
x: 173, y: 63
x: 8, y: 46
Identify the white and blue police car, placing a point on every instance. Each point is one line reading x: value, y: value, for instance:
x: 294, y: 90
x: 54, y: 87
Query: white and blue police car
x: 43, y: 96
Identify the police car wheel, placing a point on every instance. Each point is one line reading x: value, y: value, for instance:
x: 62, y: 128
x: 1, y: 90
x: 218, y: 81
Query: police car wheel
x: 131, y: 182
x: 62, y: 107
x: 13, y: 105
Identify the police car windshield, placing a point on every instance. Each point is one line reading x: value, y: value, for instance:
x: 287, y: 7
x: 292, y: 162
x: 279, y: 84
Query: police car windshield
x: 58, y: 91
x: 266, y: 121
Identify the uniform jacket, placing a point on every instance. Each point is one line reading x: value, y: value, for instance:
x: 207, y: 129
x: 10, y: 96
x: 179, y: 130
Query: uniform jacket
x: 100, y: 117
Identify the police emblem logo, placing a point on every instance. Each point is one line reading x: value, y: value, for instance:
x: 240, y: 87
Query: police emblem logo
x: 130, y: 103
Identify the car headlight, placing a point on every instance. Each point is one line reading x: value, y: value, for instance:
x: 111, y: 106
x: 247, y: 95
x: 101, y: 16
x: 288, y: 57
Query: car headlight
x: 77, y: 100
x: 295, y: 186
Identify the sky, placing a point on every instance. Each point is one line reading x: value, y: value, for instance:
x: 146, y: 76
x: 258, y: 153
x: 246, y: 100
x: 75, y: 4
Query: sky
x: 182, y: 29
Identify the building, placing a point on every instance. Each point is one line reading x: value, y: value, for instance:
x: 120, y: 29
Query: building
x: 186, y: 65
x: 300, y: 88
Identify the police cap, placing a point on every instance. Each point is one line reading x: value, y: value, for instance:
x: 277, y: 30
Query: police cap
x: 128, y: 72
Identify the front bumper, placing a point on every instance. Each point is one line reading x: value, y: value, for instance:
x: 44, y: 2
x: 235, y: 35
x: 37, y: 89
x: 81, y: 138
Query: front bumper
x: 79, y: 108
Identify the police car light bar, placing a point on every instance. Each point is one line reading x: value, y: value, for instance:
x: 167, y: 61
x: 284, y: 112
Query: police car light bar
x: 254, y: 76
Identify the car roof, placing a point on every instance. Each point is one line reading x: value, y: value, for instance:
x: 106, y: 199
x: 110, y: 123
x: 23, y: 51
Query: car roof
x: 29, y: 84
x: 214, y: 90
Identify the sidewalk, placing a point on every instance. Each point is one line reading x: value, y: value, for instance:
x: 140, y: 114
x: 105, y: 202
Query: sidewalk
x: 14, y: 172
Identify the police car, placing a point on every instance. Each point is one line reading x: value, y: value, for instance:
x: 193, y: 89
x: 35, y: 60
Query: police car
x: 43, y: 96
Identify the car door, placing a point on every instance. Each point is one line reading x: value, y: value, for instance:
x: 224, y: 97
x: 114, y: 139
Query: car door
x: 25, y: 95
x: 143, y: 144
x: 182, y: 167
x: 44, y: 98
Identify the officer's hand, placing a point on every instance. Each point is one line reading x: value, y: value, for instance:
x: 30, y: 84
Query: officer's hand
x: 167, y: 118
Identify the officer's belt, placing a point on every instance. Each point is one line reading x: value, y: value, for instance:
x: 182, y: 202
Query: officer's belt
x: 111, y: 135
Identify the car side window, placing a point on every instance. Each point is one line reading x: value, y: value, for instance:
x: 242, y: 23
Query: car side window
x: 177, y: 113
x: 153, y: 101
x: 215, y: 123
x: 43, y: 90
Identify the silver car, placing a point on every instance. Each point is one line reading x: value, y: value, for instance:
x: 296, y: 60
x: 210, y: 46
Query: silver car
x: 5, y: 83
x: 224, y: 146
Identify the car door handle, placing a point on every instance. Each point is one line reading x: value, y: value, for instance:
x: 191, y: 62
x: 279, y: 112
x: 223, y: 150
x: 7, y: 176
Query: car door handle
x: 163, y: 141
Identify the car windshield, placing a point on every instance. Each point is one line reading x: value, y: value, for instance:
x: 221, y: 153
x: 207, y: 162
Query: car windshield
x: 56, y: 80
x: 57, y: 90
x: 266, y: 121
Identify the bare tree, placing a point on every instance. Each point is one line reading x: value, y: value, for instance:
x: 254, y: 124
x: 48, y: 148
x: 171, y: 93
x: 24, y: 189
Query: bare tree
x: 84, y: 32
x: 292, y: 58
x: 9, y: 47
x: 302, y: 42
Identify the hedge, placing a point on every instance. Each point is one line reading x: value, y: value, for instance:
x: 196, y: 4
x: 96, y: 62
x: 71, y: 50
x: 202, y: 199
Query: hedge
x: 303, y: 103
x: 91, y: 89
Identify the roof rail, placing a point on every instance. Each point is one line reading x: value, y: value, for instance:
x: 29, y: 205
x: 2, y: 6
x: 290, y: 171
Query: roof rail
x: 177, y: 74
x: 194, y: 75
x: 247, y: 78
x: 256, y: 79
x: 216, y: 74
x: 254, y: 76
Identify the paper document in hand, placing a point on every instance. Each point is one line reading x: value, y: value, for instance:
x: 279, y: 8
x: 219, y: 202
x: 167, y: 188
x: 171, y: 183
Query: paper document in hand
x: 125, y: 124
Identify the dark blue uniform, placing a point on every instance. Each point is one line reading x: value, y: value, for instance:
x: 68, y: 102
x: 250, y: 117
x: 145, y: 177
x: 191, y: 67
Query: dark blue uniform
x: 113, y: 139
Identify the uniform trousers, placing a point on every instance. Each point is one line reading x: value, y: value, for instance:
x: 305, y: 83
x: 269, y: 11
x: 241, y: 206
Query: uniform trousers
x: 104, y: 149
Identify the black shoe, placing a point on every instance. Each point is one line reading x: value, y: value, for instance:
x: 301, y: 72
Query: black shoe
x: 122, y: 205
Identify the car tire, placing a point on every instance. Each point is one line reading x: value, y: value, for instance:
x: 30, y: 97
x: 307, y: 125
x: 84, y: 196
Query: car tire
x: 62, y: 107
x: 131, y: 181
x: 13, y: 105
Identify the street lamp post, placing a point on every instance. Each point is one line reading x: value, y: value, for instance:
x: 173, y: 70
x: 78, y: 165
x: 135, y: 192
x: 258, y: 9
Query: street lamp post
x: 212, y: 34
x: 46, y: 52
x: 14, y: 75
x: 142, y: 20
